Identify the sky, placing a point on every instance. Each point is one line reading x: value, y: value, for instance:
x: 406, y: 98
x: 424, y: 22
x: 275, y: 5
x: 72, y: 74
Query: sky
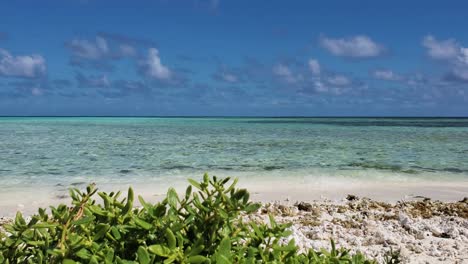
x: 233, y: 58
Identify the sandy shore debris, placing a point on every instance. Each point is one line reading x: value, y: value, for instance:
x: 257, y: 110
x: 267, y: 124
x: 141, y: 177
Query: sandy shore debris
x: 423, y: 231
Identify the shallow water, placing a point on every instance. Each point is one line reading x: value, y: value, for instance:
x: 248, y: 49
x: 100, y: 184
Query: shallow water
x: 66, y: 151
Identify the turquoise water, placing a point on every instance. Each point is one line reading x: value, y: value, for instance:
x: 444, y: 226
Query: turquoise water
x: 65, y: 151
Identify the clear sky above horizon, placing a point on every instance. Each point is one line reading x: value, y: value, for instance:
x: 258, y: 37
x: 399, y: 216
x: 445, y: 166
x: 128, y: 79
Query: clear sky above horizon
x: 217, y: 57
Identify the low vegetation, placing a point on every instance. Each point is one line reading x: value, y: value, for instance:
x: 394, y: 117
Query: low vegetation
x: 205, y: 225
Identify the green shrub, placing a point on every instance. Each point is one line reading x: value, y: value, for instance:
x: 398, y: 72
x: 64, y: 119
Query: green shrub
x: 203, y: 226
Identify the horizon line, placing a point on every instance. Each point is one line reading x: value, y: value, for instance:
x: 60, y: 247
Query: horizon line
x: 227, y: 116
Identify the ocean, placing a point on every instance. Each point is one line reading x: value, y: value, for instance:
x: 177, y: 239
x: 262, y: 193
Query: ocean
x: 68, y: 151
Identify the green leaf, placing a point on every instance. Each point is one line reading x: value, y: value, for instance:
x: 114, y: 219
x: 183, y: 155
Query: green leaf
x: 83, y: 254
x: 196, y: 250
x: 172, y: 197
x: 69, y: 261
x: 159, y: 250
x: 233, y: 185
x: 197, y: 259
x: 115, y: 232
x: 194, y: 183
x: 291, y: 246
x: 188, y: 192
x: 222, y: 259
x: 109, y: 256
x: 239, y: 194
x: 142, y: 223
x: 129, y: 204
x: 170, y: 259
x: 224, y: 250
x: 171, y: 240
x: 144, y: 203
x: 101, y: 231
x: 143, y: 256
x: 45, y: 225
x: 84, y: 220
x: 105, y: 198
x: 19, y: 220
x: 253, y: 207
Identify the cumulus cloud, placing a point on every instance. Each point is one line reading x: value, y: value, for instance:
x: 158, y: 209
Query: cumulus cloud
x: 24, y: 66
x: 457, y: 75
x: 319, y: 86
x: 452, y: 52
x: 86, y: 49
x: 97, y: 53
x: 152, y: 66
x: 461, y: 73
x: 285, y: 73
x: 127, y: 50
x: 338, y: 80
x: 229, y: 77
x: 36, y: 91
x: 360, y: 46
x: 314, y: 66
x: 225, y: 74
x: 387, y: 75
x: 441, y: 49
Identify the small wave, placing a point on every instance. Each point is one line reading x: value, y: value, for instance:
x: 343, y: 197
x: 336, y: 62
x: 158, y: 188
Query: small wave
x: 270, y: 168
x: 382, y: 166
x: 177, y: 167
x: 454, y: 170
x: 77, y: 183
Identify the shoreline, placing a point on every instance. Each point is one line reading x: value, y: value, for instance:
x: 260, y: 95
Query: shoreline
x: 29, y: 199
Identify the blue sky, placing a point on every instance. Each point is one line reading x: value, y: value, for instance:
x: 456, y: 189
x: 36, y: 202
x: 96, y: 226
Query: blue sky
x: 217, y: 57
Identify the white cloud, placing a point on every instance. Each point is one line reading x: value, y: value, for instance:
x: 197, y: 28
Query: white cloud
x: 463, y: 56
x: 285, y: 73
x: 441, y: 50
x: 127, y: 50
x: 387, y: 75
x: 36, y: 91
x: 452, y: 52
x: 339, y: 80
x: 225, y: 74
x: 461, y: 73
x: 314, y: 66
x: 228, y: 77
x: 26, y: 66
x: 91, y: 50
x: 320, y: 87
x: 355, y: 47
x: 100, y: 48
x: 153, y: 67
